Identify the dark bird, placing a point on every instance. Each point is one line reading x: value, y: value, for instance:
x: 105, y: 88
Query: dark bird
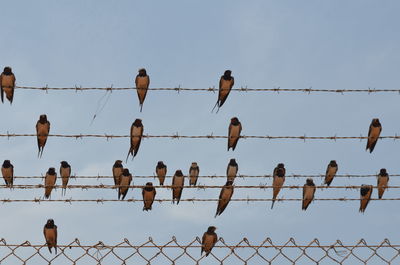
x: 234, y: 133
x: 178, y: 181
x: 194, y: 171
x: 126, y: 179
x: 278, y: 181
x: 373, y: 134
x: 209, y: 240
x: 232, y: 170
x: 49, y: 181
x: 148, y: 193
x: 142, y: 82
x: 383, y: 180
x: 50, y: 235
x: 136, y: 138
x: 161, y: 171
x: 365, y: 191
x: 117, y: 170
x: 65, y: 174
x: 42, y: 131
x: 7, y: 84
x: 226, y: 83
x: 7, y: 170
x: 331, y: 172
x: 224, y: 197
x: 280, y: 165
x: 308, y: 193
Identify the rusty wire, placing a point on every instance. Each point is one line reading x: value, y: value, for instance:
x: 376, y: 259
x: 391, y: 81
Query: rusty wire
x: 171, y: 252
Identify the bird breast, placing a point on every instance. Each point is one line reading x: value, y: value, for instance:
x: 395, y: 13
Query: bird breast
x: 7, y: 81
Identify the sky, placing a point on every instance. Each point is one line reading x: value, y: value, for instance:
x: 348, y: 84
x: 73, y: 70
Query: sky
x: 288, y: 44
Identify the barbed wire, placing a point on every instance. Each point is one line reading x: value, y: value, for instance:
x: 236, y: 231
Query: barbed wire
x: 242, y: 252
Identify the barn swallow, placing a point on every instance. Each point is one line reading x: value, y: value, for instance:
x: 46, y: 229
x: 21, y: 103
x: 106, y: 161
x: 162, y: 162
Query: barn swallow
x: 224, y: 197
x: 278, y: 180
x: 308, y: 193
x: 7, y: 170
x: 194, y: 171
x: 365, y: 191
x: 49, y: 181
x: 226, y: 83
x: 178, y: 181
x: 42, y: 131
x: 383, y: 180
x: 234, y: 133
x: 50, y: 235
x: 136, y: 138
x: 142, y: 82
x: 331, y: 172
x: 148, y: 193
x: 65, y: 174
x: 117, y: 170
x: 161, y: 171
x: 373, y: 134
x: 126, y: 179
x: 209, y: 240
x: 7, y: 84
x: 232, y: 170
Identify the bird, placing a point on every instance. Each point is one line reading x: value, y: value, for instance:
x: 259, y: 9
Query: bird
x: 232, y: 170
x: 42, y: 131
x: 308, y: 193
x: 7, y: 84
x: 375, y: 130
x: 224, y: 197
x: 365, y: 191
x: 278, y: 180
x: 49, y: 181
x: 65, y: 174
x: 136, y: 138
x: 142, y: 82
x: 178, y: 181
x: 208, y: 241
x: 194, y: 171
x: 50, y: 235
x: 148, y: 193
x: 234, y: 133
x: 226, y: 83
x: 7, y: 170
x: 383, y: 180
x: 117, y: 170
x: 330, y: 172
x: 126, y: 179
x: 161, y: 171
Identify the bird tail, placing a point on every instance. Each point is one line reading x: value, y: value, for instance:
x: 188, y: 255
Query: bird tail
x: 130, y: 152
x: 141, y: 107
x: 216, y: 104
x: 272, y: 205
x: 2, y: 96
x: 49, y: 249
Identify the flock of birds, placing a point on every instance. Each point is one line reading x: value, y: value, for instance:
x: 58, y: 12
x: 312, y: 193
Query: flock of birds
x: 123, y: 178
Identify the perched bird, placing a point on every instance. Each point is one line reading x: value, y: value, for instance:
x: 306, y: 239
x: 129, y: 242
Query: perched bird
x: 278, y: 180
x: 49, y: 181
x: 308, y: 193
x: 226, y: 83
x: 234, y: 133
x: 136, y: 137
x: 50, y: 235
x: 383, y: 180
x: 42, y: 131
x: 126, y: 179
x: 373, y: 134
x: 7, y: 170
x: 194, y: 171
x: 331, y: 172
x: 224, y: 197
x: 280, y: 165
x: 178, y: 181
x: 365, y: 191
x: 148, y: 193
x: 65, y: 174
x: 142, y: 82
x: 209, y: 240
x: 161, y: 171
x: 7, y: 84
x: 232, y: 170
x: 117, y: 170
